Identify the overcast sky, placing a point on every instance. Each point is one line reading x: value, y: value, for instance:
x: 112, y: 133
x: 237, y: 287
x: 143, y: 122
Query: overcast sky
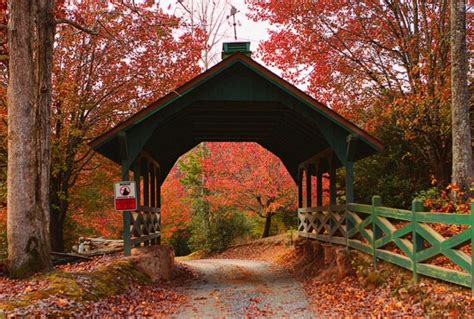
x: 247, y: 30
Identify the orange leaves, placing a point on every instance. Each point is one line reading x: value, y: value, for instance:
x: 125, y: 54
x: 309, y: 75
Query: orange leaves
x: 247, y: 176
x: 441, y: 200
x: 175, y: 211
x: 353, y: 54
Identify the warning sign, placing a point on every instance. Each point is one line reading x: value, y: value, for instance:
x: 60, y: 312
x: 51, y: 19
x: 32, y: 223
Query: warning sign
x: 125, y: 196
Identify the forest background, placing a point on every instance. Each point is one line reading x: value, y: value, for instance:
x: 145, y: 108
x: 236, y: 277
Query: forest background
x: 385, y: 67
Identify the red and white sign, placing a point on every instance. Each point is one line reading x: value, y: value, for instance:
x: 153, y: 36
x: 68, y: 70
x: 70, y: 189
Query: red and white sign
x: 125, y: 196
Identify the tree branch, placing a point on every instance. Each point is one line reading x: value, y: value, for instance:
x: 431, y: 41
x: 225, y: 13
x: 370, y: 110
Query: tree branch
x: 91, y: 31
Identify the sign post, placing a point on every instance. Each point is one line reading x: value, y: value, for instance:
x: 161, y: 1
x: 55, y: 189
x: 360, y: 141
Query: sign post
x: 125, y: 194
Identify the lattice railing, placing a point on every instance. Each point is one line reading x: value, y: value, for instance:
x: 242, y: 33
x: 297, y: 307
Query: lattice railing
x: 142, y: 227
x: 325, y: 223
x: 422, y: 242
x: 145, y: 226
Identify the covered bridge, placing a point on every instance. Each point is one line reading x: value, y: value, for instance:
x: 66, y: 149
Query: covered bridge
x: 237, y: 100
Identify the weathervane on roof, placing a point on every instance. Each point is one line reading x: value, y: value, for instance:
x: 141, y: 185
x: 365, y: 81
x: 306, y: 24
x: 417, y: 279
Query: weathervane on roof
x: 233, y: 12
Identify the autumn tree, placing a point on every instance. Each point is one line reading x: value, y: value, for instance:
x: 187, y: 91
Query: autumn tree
x: 29, y: 52
x: 209, y: 16
x: 87, y: 99
x: 211, y: 227
x: 461, y: 130
x: 246, y: 176
x: 100, y: 80
x: 175, y: 213
x: 376, y: 62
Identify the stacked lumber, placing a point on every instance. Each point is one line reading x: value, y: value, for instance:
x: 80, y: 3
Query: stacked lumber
x: 97, y: 246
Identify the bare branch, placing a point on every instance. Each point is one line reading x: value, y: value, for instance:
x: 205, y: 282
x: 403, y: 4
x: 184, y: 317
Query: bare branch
x: 92, y: 31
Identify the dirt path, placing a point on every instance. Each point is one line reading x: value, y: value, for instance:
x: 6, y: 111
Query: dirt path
x: 232, y: 288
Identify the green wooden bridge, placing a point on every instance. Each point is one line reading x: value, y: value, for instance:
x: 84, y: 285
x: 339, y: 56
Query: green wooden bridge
x: 239, y: 100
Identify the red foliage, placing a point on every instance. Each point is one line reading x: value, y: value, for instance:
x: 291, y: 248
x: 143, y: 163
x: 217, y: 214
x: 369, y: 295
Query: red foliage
x: 443, y: 200
x: 175, y: 212
x: 247, y: 176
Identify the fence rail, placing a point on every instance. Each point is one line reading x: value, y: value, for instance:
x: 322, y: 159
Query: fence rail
x: 409, y: 239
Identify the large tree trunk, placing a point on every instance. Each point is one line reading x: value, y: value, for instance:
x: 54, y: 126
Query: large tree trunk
x: 462, y: 151
x: 268, y: 224
x: 56, y: 228
x: 31, y: 31
x: 59, y: 204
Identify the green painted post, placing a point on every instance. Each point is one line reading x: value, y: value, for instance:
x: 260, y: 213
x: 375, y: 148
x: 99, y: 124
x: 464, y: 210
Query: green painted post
x: 309, y: 191
x: 376, y: 233
x: 416, y: 206
x: 300, y: 188
x: 472, y: 248
x: 332, y: 191
x: 300, y: 196
x: 319, y: 189
x: 350, y: 182
x: 126, y: 215
x: 349, y: 197
x: 138, y: 184
x: 127, y: 247
x: 158, y: 199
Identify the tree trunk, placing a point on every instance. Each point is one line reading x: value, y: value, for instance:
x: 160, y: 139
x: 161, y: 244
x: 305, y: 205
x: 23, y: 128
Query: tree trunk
x: 56, y: 228
x: 59, y: 204
x: 31, y: 31
x: 268, y: 224
x: 462, y: 151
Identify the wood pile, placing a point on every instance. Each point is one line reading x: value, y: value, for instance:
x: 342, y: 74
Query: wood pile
x: 97, y: 246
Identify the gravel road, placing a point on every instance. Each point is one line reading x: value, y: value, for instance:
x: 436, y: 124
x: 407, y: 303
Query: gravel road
x: 232, y: 288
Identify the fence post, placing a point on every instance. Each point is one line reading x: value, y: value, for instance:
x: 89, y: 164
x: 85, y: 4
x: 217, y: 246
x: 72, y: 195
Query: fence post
x: 376, y: 202
x: 127, y: 247
x: 417, y: 206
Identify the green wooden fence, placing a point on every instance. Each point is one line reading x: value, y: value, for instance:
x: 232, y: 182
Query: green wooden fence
x: 406, y: 238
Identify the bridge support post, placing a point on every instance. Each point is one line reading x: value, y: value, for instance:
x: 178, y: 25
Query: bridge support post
x: 300, y: 188
x: 126, y: 215
x: 332, y: 192
x: 319, y: 184
x: 349, y: 197
x: 309, y: 191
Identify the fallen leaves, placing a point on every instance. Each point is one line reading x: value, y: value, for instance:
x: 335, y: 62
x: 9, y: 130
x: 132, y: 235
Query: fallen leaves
x: 139, y: 299
x: 393, y: 296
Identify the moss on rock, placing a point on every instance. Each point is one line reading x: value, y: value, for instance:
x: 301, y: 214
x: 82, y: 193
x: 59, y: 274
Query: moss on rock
x: 104, y: 282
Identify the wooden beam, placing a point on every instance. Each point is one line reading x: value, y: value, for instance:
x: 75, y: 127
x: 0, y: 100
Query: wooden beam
x: 149, y: 157
x: 323, y: 154
x: 123, y: 146
x: 126, y: 217
x: 300, y: 188
x: 153, y: 185
x: 350, y: 182
x: 352, y: 141
x: 309, y: 172
x: 144, y: 171
x: 319, y: 186
x: 332, y: 180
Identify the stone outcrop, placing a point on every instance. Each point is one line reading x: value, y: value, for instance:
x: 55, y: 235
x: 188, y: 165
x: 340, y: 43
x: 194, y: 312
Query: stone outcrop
x: 157, y: 262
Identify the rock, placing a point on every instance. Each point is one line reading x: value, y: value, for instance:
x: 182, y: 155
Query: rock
x: 329, y: 254
x: 155, y: 261
x: 343, y: 263
x: 309, y: 250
